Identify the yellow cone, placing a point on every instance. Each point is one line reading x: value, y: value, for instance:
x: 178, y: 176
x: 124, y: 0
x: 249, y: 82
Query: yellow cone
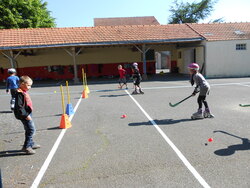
x: 87, y: 89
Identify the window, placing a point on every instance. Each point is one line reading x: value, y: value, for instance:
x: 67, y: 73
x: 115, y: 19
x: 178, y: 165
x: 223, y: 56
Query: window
x: 241, y: 46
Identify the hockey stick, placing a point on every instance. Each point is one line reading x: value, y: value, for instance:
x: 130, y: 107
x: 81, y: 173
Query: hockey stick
x: 244, y: 105
x: 174, y: 105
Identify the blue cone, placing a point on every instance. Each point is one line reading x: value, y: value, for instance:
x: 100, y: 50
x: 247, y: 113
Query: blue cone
x: 69, y: 109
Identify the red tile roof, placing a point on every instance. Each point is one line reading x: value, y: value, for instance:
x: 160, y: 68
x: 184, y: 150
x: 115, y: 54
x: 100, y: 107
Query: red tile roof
x: 146, y: 20
x: 223, y: 31
x: 52, y: 37
x: 112, y: 35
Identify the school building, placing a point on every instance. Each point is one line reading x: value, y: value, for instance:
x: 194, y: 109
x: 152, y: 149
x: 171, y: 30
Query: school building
x: 221, y: 49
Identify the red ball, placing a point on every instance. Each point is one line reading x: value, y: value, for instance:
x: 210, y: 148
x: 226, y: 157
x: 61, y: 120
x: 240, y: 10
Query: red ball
x: 123, y: 116
x: 210, y: 140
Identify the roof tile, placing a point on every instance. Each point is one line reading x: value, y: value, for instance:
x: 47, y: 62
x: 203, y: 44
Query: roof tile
x: 27, y: 38
x: 80, y: 35
x: 145, y: 20
x: 223, y: 31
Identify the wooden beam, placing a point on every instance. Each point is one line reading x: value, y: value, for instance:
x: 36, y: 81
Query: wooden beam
x: 73, y: 54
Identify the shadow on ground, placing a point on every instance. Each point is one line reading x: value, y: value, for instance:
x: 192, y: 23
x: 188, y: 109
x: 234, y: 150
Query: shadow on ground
x: 6, y: 112
x: 161, y: 122
x: 11, y: 153
x: 230, y: 150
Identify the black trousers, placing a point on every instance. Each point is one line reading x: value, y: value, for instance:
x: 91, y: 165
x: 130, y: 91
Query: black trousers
x: 202, y: 99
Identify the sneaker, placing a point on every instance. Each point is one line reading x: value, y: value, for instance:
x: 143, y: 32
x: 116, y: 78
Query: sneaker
x: 36, y: 146
x: 29, y: 151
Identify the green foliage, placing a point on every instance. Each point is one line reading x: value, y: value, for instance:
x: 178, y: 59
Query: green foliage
x: 218, y: 20
x: 190, y: 12
x: 25, y: 14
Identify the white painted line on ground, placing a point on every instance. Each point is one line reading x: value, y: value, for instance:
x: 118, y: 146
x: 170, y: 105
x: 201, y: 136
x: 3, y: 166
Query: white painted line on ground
x: 183, y: 86
x: 166, y: 87
x: 244, y: 85
x: 52, y: 152
x: 226, y: 84
x: 146, y: 88
x: 187, y: 86
x: 176, y: 150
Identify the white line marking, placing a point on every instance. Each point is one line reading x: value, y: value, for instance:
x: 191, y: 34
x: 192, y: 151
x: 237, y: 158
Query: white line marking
x: 146, y: 88
x: 176, y: 150
x: 175, y: 87
x: 244, y: 85
x: 52, y: 152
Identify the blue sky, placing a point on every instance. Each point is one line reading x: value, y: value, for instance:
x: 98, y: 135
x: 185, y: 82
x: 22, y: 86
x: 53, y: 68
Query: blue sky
x: 81, y: 13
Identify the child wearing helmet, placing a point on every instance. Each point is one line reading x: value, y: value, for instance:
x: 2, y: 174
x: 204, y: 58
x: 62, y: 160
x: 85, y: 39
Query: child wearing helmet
x: 12, y: 85
x: 137, y: 79
x: 202, y: 87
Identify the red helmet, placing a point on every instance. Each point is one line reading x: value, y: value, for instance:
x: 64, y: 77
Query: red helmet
x: 194, y: 66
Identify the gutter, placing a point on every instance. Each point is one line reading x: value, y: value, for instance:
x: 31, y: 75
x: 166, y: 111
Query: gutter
x: 103, y: 43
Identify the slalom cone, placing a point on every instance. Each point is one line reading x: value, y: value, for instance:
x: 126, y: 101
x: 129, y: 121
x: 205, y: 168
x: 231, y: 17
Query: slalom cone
x: 65, y: 123
x: 87, y: 89
x: 85, y: 94
x: 86, y: 85
x: 69, y: 110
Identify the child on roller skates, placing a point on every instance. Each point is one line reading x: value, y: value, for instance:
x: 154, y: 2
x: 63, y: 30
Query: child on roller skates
x: 137, y: 79
x: 122, y: 79
x: 11, y: 86
x: 202, y: 87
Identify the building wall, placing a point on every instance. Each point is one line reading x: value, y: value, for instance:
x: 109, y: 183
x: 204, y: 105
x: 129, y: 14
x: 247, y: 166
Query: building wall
x: 183, y: 62
x: 97, y: 55
x: 223, y: 60
x: 58, y: 56
x: 56, y: 63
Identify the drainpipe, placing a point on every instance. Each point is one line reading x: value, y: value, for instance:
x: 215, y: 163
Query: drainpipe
x: 204, y: 59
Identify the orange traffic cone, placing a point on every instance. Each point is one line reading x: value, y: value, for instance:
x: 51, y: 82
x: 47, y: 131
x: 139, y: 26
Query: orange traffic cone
x: 65, y: 123
x: 85, y: 94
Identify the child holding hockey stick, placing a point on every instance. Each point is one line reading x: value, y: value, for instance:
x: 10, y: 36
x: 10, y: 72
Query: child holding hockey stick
x: 202, y: 87
x: 137, y: 79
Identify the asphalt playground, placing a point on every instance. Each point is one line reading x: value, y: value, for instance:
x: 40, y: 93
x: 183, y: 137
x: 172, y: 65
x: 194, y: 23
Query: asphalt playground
x: 155, y: 145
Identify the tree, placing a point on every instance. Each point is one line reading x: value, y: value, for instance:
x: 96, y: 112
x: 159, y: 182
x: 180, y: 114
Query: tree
x: 25, y: 14
x: 191, y: 12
